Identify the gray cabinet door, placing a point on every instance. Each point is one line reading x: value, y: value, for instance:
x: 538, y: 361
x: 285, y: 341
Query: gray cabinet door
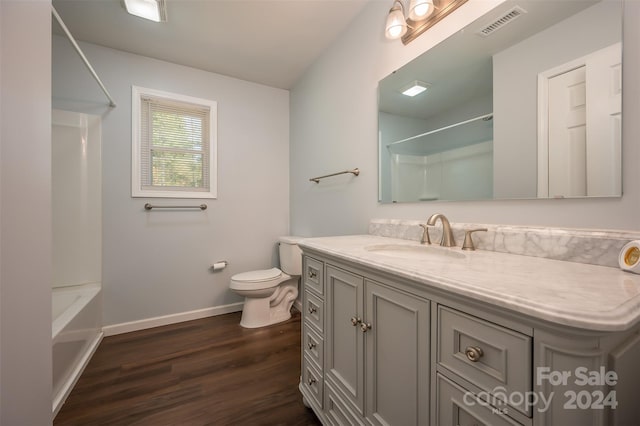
x: 344, y: 356
x: 397, y: 357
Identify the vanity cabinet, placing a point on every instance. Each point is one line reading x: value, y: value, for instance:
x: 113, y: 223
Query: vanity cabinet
x: 380, y: 349
x: 377, y: 342
x: 376, y: 352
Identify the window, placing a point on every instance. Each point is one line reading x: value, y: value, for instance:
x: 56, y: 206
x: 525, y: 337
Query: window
x: 174, y: 145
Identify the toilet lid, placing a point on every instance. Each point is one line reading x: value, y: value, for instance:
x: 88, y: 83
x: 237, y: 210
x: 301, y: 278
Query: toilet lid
x: 258, y: 276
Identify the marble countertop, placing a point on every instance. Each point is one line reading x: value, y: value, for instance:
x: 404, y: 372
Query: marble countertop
x: 574, y: 294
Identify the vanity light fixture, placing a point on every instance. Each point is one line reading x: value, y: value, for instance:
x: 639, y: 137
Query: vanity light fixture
x: 153, y: 10
x: 420, y: 9
x: 414, y: 88
x: 422, y: 15
x: 396, y: 23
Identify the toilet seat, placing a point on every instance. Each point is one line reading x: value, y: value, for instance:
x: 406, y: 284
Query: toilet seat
x: 258, y: 276
x: 255, y: 280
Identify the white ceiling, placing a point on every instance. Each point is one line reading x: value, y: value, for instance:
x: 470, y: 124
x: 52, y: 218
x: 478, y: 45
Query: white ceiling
x: 271, y: 42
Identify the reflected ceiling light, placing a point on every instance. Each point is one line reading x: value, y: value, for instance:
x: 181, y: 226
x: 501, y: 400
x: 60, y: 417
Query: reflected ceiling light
x: 153, y: 10
x: 419, y: 10
x: 414, y: 88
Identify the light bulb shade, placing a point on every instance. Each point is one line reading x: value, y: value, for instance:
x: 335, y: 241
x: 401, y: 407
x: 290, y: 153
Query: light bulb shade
x: 396, y: 25
x: 420, y: 9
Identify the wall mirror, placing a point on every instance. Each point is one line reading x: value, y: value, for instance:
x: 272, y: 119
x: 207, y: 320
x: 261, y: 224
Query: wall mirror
x: 525, y: 102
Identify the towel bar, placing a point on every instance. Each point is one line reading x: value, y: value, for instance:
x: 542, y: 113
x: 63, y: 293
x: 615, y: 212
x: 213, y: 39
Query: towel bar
x: 150, y: 206
x: 355, y: 172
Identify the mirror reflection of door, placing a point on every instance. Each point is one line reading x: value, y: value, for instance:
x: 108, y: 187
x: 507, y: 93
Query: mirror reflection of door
x: 568, y: 134
x: 577, y: 159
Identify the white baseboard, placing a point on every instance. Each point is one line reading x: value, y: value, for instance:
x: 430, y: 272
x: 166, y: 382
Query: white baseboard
x: 126, y: 327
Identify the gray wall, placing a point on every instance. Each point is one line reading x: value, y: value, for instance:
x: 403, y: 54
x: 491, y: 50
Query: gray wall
x: 515, y: 73
x: 334, y: 126
x: 157, y: 263
x: 25, y: 213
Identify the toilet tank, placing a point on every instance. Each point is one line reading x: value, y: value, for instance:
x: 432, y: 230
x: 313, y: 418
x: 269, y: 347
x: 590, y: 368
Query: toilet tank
x: 290, y: 255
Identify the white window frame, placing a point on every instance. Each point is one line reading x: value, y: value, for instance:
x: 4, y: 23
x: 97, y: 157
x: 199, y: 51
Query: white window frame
x: 136, y: 145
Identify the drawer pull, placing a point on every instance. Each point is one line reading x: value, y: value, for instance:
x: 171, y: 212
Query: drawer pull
x: 311, y: 381
x: 311, y: 345
x: 355, y: 321
x: 473, y: 353
x: 312, y: 309
x: 365, y: 327
x: 312, y: 273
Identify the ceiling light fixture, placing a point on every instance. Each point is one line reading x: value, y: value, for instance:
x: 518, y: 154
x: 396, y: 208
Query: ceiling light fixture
x: 414, y: 88
x: 153, y: 10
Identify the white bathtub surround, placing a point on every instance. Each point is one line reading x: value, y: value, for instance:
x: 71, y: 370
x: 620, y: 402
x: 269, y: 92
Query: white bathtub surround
x: 76, y: 176
x: 595, y: 247
x: 76, y: 151
x: 573, y: 294
x: 76, y: 333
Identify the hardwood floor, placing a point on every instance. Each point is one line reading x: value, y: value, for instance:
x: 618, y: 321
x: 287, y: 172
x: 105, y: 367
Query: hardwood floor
x: 204, y: 372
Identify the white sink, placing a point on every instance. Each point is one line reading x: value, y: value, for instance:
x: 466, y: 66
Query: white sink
x: 406, y: 251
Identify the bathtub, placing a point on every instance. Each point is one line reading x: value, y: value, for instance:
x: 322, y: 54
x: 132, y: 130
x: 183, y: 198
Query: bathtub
x: 76, y: 331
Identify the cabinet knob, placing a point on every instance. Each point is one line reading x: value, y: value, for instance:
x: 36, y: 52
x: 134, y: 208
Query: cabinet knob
x: 365, y: 327
x: 311, y: 345
x: 312, y: 273
x: 355, y: 321
x: 312, y: 309
x: 473, y: 353
x: 311, y: 381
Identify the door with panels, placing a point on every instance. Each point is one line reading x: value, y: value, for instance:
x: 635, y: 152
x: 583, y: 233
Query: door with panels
x: 397, y: 356
x: 344, y: 361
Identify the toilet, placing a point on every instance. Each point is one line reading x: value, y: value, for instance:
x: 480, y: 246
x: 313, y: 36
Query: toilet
x: 270, y: 293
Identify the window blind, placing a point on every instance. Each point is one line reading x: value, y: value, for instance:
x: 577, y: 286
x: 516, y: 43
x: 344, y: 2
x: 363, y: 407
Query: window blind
x: 174, y: 145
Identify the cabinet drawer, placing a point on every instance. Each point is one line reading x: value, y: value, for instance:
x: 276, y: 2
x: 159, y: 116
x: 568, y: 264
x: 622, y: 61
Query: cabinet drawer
x: 313, y: 346
x: 313, y: 275
x: 314, y: 311
x: 457, y: 407
x: 494, y: 358
x: 312, y: 382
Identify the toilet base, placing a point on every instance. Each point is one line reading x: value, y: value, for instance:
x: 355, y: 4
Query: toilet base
x: 255, y: 316
x: 261, y: 312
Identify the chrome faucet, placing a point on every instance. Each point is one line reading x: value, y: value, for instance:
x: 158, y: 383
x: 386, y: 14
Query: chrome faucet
x: 447, y: 236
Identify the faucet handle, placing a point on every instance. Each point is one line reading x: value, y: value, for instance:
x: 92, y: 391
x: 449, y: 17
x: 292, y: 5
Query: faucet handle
x: 425, y: 234
x: 468, y: 241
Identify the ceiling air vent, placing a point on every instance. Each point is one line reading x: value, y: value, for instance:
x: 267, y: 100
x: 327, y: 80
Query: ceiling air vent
x: 501, y: 21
